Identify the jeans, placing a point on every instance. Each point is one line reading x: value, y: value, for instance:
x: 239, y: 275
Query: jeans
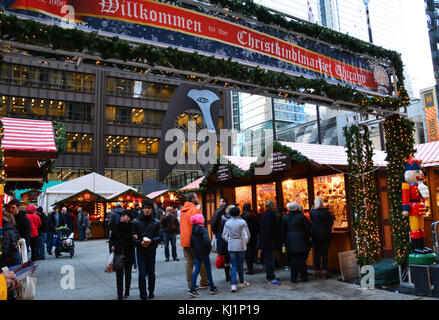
x: 298, y: 264
x: 237, y: 258
x: 170, y: 237
x: 146, y: 262
x: 81, y: 230
x: 206, y: 262
x: 321, y: 248
x: 269, y: 264
x: 189, y: 256
x: 42, y: 248
x: 127, y: 264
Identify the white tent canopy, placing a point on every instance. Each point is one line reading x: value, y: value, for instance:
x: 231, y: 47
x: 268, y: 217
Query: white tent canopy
x: 94, y: 182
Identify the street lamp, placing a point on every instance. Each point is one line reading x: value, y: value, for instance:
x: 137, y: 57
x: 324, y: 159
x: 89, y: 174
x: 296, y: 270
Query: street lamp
x: 366, y: 3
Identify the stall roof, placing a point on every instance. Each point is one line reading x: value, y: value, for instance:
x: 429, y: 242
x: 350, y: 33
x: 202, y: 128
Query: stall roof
x: 331, y: 155
x: 116, y: 195
x: 27, y: 137
x: 68, y: 198
x: 156, y: 194
x: 242, y: 163
x: 428, y: 153
x: 193, y: 185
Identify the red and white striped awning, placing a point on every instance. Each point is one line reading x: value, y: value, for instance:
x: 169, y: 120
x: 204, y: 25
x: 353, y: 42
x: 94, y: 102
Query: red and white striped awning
x: 193, y: 185
x: 331, y: 155
x: 242, y: 163
x: 428, y: 153
x: 7, y: 198
x: 24, y: 135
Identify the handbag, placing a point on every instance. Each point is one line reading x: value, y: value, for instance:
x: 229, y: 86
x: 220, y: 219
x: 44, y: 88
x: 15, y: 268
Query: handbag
x: 213, y: 244
x: 88, y: 233
x: 118, y: 262
x: 109, y: 263
x: 27, y: 287
x: 220, y: 260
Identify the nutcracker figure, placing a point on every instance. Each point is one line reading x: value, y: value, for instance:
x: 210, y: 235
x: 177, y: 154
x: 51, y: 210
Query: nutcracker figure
x: 414, y: 193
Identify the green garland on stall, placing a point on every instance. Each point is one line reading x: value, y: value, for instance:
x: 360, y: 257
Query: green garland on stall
x: 399, y: 146
x: 60, y: 136
x: 363, y: 195
x: 73, y: 40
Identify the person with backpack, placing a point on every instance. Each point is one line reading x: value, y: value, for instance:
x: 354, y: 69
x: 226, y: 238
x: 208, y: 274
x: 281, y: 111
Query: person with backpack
x: 296, y: 234
x: 200, y: 243
x: 10, y: 254
x: 122, y: 245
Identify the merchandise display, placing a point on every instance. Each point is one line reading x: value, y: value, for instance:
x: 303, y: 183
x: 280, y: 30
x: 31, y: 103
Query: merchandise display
x: 265, y: 192
x: 333, y: 192
x: 243, y: 195
x: 296, y: 190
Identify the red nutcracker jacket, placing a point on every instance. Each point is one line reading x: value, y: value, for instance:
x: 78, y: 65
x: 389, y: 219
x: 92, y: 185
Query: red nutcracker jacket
x: 412, y: 200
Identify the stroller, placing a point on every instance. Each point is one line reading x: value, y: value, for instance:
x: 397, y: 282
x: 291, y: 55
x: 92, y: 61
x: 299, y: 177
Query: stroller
x: 64, y: 242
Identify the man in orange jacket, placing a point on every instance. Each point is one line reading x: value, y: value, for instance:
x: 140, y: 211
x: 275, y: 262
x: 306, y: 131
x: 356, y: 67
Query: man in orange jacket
x: 190, y: 209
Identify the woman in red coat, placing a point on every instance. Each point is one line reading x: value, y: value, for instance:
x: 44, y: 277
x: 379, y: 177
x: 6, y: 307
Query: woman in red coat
x: 35, y: 223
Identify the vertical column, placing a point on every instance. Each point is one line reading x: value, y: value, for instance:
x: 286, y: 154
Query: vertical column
x: 273, y: 118
x: 99, y: 123
x: 319, y: 127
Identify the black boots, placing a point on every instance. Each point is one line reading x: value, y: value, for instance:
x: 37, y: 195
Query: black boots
x: 127, y: 293
x: 419, y: 246
x: 227, y: 272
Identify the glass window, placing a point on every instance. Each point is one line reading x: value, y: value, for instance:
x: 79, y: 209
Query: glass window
x: 89, y: 82
x: 110, y: 114
x: 138, y: 116
x: 80, y: 111
x: 78, y: 142
x: 135, y: 177
x: 265, y: 192
x: 57, y: 109
x: 56, y: 79
x: 111, y: 85
x: 117, y: 144
x: 4, y: 105
x: 153, y: 90
x: 168, y: 91
x: 155, y: 117
x: 124, y: 87
x: 38, y: 107
x: 296, y: 191
x: 6, y: 73
x: 120, y: 175
x: 77, y: 82
x: 152, y: 146
x: 332, y: 190
x: 18, y: 106
x: 123, y: 115
x: 243, y: 195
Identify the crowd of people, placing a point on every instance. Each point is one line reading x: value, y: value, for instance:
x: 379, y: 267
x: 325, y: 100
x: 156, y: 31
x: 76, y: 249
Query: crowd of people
x: 241, y: 237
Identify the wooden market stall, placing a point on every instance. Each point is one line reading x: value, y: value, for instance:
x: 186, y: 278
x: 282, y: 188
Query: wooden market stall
x: 127, y: 198
x: 429, y: 154
x: 91, y: 202
x: 167, y: 197
x: 30, y: 196
x: 300, y: 172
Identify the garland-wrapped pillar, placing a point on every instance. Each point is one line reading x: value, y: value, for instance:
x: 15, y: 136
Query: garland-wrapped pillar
x: 399, y: 145
x: 363, y: 195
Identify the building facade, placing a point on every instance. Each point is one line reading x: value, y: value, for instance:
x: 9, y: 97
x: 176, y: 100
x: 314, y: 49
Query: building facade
x: 113, y: 117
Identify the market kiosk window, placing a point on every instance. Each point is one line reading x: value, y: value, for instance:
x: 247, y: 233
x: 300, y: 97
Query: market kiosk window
x: 243, y: 195
x: 296, y: 191
x: 265, y: 192
x: 332, y: 190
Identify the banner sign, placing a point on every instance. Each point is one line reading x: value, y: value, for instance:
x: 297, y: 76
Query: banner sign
x: 168, y: 25
x: 280, y: 162
x: 429, y: 98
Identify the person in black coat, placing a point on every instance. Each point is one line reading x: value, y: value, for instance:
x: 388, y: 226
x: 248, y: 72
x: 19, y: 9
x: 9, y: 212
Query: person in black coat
x: 295, y: 233
x: 42, y: 233
x: 22, y: 223
x: 122, y: 243
x: 254, y: 227
x: 55, y: 221
x: 10, y: 254
x: 215, y: 225
x: 268, y: 240
x: 321, y: 225
x: 67, y: 219
x: 147, y: 236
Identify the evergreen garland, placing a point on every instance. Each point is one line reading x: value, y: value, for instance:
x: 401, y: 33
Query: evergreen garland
x: 399, y: 146
x: 60, y: 136
x: 363, y: 195
x: 73, y: 40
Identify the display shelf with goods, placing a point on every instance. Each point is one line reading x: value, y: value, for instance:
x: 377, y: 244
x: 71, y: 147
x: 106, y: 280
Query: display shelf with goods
x: 243, y: 195
x: 333, y: 192
x: 296, y: 190
x: 265, y: 192
x: 128, y: 199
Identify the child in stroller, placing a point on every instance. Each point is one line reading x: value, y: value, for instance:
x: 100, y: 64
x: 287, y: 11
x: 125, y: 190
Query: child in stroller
x: 64, y: 241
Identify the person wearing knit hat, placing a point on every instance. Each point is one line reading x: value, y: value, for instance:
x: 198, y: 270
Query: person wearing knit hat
x: 200, y: 243
x: 35, y: 223
x: 237, y: 235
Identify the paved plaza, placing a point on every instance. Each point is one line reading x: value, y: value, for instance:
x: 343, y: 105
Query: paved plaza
x: 92, y: 283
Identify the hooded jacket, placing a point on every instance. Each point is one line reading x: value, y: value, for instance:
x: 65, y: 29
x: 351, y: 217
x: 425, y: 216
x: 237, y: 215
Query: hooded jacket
x: 200, y: 241
x: 35, y: 223
x: 189, y: 209
x: 114, y: 218
x: 147, y: 226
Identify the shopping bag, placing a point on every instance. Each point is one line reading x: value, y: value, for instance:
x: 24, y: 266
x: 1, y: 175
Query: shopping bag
x: 23, y: 250
x: 118, y: 262
x: 87, y: 233
x: 213, y: 244
x: 220, y: 259
x: 109, y: 263
x: 26, y: 289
